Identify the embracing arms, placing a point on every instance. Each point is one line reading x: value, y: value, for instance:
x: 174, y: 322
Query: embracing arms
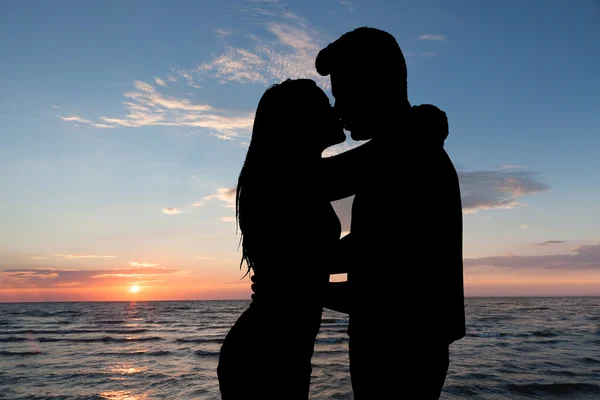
x: 341, y: 174
x: 337, y: 294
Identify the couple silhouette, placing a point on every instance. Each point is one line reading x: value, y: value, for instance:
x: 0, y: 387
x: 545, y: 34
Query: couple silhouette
x: 403, y: 256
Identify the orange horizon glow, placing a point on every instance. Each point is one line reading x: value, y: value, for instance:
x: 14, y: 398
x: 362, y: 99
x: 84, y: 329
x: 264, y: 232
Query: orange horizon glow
x: 475, y: 286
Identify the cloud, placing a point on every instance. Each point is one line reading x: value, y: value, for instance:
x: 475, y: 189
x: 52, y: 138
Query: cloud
x: 31, y: 274
x: 347, y: 4
x: 484, y: 190
x: 198, y: 204
x: 227, y: 219
x: 171, y: 211
x: 78, y: 256
x: 53, y: 277
x: 480, y: 190
x: 524, y: 226
x: 511, y: 166
x: 428, y: 54
x: 584, y: 258
x: 224, y: 32
x: 147, y: 106
x: 85, y: 121
x: 549, y: 242
x: 142, y: 264
x: 431, y: 36
x: 160, y: 81
x: 226, y: 195
x: 289, y: 53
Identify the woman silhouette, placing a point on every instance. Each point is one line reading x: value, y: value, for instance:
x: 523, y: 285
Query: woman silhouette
x: 288, y: 232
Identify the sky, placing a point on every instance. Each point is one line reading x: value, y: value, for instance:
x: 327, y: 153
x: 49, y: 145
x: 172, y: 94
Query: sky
x: 124, y: 125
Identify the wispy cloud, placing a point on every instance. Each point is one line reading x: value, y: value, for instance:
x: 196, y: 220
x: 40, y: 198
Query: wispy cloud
x: 226, y: 195
x: 39, y: 274
x: 224, y: 32
x: 227, y: 219
x: 160, y: 81
x: 79, y: 256
x: 142, y: 264
x: 484, y: 190
x: 53, y: 277
x: 511, y: 166
x: 524, y: 227
x: 85, y: 121
x: 549, y: 242
x: 171, y: 211
x: 289, y: 53
x: 347, y: 4
x: 147, y: 106
x: 583, y: 258
x: 431, y: 36
x: 480, y: 190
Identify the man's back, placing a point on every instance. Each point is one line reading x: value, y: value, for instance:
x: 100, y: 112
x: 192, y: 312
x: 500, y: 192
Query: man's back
x: 407, y: 233
x: 407, y: 226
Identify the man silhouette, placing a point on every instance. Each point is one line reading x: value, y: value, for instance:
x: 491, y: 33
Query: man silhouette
x: 404, y: 250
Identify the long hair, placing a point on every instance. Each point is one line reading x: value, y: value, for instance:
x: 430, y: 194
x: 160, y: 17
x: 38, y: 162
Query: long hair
x: 280, y: 111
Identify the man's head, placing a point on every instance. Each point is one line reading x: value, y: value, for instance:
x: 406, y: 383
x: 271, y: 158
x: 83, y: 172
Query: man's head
x: 368, y: 80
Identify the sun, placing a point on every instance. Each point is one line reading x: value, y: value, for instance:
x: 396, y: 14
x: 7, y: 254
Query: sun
x: 134, y: 289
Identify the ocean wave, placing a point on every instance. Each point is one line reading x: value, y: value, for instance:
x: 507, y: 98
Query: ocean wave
x: 545, y: 389
x: 105, y: 339
x: 330, y: 340
x: 333, y: 321
x: 537, y: 333
x: 70, y: 331
x: 206, y: 353
x: 19, y: 353
x: 12, y: 339
x: 200, y: 340
x: 590, y: 360
x: 158, y: 353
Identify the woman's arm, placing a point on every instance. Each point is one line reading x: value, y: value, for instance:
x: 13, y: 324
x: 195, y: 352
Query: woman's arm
x: 342, y: 256
x: 340, y: 174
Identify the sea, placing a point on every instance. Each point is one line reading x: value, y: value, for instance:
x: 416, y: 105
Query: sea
x: 515, y: 348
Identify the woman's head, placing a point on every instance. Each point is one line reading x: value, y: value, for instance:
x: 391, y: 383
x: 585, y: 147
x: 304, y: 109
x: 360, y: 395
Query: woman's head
x: 295, y: 112
x: 293, y: 124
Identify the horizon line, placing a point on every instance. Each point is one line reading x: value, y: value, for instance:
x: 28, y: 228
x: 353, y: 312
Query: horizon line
x: 157, y: 301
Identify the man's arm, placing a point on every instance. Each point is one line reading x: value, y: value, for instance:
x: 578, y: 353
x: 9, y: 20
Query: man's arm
x: 340, y: 174
x: 342, y: 257
x: 337, y: 297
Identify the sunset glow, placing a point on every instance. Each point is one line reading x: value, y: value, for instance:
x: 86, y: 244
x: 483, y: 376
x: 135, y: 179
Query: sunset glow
x: 120, y: 160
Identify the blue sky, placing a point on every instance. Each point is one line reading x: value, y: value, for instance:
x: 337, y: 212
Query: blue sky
x: 123, y: 126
